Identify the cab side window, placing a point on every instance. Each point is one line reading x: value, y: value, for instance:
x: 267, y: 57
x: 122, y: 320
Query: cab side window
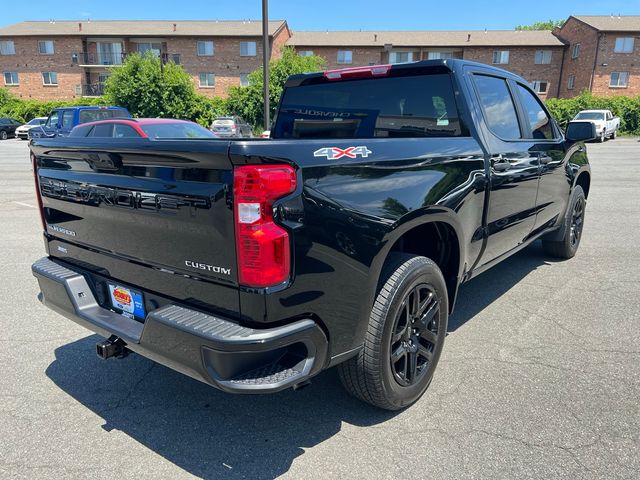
x: 67, y: 119
x: 539, y: 121
x: 52, y: 121
x: 497, y: 104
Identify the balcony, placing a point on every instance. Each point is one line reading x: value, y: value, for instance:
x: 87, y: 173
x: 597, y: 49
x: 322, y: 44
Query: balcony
x: 92, y: 89
x: 85, y: 59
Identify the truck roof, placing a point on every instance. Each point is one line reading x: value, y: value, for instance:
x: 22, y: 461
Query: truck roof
x: 447, y: 65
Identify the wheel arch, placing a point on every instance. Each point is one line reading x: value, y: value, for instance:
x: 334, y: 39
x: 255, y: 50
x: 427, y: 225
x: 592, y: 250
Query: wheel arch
x: 584, y: 180
x: 434, y: 233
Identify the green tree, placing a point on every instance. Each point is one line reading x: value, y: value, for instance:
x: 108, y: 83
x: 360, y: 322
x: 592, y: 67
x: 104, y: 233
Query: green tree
x: 148, y: 88
x: 548, y: 25
x: 248, y: 103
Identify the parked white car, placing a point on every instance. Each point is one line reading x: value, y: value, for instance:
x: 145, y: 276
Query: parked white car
x: 22, y: 131
x: 606, y: 124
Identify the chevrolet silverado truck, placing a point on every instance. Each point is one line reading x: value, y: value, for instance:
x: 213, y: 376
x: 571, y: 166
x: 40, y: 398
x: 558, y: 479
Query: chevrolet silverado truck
x: 342, y: 240
x: 606, y: 124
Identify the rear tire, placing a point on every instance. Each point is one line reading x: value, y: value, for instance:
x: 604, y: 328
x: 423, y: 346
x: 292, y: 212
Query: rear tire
x: 572, y: 226
x: 614, y: 135
x: 405, y: 336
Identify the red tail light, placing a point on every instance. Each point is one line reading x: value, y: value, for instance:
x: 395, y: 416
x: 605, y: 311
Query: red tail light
x: 34, y: 164
x: 264, y: 257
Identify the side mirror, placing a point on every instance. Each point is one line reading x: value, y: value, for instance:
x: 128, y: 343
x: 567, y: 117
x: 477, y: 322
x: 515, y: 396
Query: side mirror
x: 581, y: 131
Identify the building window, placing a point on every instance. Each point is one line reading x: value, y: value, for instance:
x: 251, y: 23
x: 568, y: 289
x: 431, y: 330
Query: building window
x: 244, y: 80
x: 501, y: 57
x: 205, y: 48
x: 543, y: 57
x: 540, y: 86
x: 49, y: 78
x: 306, y: 53
x: 247, y: 49
x: 207, y: 80
x: 175, y: 58
x: 154, y: 48
x: 571, y: 82
x: 624, y: 45
x: 345, y: 56
x: 400, y: 57
x: 619, y: 79
x: 575, y: 50
x: 109, y: 53
x: 11, y: 78
x: 7, y: 47
x: 439, y: 55
x: 45, y: 47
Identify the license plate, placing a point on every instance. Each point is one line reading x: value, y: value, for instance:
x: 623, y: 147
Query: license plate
x: 128, y: 301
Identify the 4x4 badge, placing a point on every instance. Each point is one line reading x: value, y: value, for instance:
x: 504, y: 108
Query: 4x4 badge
x: 334, y: 153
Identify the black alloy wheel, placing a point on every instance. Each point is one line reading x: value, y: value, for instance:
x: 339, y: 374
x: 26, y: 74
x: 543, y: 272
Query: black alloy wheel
x: 577, y: 221
x: 415, y: 335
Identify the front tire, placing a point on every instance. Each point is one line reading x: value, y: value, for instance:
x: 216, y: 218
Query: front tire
x: 572, y: 225
x: 405, y: 336
x: 3, y: 135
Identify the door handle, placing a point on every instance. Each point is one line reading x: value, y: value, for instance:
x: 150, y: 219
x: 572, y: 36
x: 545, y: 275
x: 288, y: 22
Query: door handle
x: 500, y: 164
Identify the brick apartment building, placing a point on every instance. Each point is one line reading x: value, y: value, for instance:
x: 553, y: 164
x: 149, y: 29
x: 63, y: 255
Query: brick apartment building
x: 603, y: 55
x: 535, y: 55
x: 64, y: 59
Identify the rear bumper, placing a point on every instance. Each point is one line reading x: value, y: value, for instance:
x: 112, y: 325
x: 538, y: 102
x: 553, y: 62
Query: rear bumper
x: 208, y: 348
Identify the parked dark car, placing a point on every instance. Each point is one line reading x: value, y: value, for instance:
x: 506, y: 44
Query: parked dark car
x: 8, y: 127
x: 62, y: 120
x: 148, y: 128
x: 231, y: 127
x: 343, y: 240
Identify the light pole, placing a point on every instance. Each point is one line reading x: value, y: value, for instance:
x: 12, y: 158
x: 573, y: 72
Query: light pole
x: 265, y: 61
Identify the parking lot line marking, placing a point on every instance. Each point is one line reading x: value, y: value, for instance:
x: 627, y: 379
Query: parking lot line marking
x: 24, y: 204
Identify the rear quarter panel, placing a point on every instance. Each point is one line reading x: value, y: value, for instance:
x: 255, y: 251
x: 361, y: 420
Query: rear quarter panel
x: 348, y: 213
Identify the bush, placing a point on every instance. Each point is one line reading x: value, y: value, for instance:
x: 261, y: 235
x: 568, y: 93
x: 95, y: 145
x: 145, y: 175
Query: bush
x: 148, y: 88
x: 25, y: 110
x: 627, y: 108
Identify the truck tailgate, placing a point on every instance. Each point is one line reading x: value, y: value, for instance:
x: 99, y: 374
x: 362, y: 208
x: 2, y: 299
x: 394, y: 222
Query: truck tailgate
x: 165, y: 206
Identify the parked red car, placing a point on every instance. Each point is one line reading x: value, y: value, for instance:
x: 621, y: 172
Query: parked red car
x: 150, y: 128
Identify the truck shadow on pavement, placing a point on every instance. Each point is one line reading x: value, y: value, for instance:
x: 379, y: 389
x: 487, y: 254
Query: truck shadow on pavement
x: 211, y: 434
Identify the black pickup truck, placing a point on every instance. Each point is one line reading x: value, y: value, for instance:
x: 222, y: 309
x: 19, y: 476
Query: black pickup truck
x: 342, y: 240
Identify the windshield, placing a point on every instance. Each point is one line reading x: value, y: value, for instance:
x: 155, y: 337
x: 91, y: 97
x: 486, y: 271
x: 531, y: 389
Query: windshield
x: 37, y: 121
x: 407, y: 106
x: 176, y: 130
x: 590, y: 116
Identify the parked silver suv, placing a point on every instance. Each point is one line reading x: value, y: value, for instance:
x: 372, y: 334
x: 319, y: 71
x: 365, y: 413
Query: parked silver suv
x: 228, y: 127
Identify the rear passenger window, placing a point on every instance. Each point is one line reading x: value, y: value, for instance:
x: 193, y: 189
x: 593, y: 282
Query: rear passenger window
x: 499, y: 110
x: 538, y: 119
x: 124, y: 131
x: 102, y: 130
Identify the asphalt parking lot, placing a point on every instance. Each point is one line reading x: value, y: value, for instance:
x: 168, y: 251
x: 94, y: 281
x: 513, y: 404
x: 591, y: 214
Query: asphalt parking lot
x: 540, y: 376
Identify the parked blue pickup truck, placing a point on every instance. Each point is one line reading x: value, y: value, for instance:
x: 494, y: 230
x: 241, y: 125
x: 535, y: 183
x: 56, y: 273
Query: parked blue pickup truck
x: 62, y: 120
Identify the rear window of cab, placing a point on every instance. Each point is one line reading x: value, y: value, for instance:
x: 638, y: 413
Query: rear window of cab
x: 384, y: 107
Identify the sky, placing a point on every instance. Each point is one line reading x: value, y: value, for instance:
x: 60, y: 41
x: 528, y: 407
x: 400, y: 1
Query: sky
x: 328, y: 14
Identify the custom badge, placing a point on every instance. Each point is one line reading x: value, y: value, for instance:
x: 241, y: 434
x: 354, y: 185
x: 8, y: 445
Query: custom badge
x: 334, y: 153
